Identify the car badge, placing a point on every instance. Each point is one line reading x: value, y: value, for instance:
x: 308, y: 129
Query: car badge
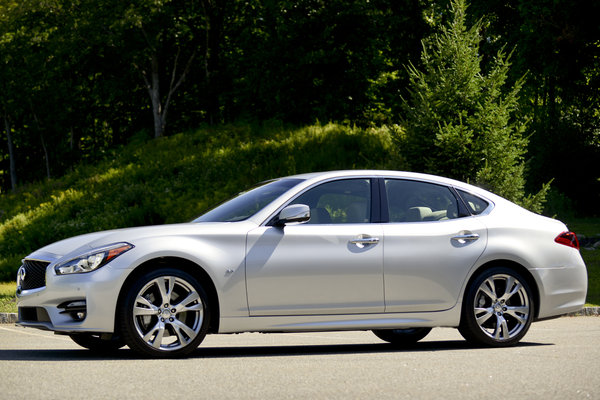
x: 21, y: 275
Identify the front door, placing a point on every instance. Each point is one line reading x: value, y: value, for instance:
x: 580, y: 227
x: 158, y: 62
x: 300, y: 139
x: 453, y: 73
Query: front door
x: 333, y: 264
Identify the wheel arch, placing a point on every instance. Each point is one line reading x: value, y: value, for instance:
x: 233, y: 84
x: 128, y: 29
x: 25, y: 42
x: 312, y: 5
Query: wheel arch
x: 185, y: 265
x: 519, y: 268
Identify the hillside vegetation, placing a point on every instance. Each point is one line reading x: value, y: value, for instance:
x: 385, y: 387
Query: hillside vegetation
x: 174, y: 179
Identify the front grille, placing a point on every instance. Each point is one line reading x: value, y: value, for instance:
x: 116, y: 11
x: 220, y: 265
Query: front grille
x: 35, y: 274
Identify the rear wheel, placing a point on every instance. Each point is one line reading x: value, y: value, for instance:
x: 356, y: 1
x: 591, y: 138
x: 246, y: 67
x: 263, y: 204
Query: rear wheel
x: 165, y: 314
x: 402, y: 337
x: 98, y: 342
x: 498, y: 309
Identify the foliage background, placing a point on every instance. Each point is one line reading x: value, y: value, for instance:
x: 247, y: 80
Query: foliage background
x: 81, y: 77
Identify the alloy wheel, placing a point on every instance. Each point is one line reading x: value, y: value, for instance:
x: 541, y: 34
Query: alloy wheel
x: 501, y: 307
x: 168, y: 313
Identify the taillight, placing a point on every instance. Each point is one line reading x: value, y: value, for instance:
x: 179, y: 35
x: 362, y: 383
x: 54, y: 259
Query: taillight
x: 568, y: 239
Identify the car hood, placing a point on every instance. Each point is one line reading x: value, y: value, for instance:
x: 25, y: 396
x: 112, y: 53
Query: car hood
x: 78, y: 245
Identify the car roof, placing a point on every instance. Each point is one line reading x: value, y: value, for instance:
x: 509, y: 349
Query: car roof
x: 317, y: 176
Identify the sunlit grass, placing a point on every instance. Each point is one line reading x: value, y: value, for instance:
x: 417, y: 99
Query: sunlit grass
x: 8, y: 303
x: 592, y: 261
x: 589, y: 227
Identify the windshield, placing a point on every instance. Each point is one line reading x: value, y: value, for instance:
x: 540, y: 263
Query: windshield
x: 248, y: 203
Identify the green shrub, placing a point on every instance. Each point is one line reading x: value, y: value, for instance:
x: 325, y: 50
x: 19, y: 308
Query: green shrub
x: 462, y: 121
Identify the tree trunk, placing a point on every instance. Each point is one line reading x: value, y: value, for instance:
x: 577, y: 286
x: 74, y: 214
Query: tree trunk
x: 45, y: 155
x: 214, y: 11
x: 154, y: 90
x: 159, y: 110
x: 552, y: 115
x: 11, y: 155
x: 44, y: 148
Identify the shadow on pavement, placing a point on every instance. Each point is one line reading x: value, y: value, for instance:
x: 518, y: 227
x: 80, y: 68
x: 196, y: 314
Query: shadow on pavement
x: 249, y: 351
x: 286, y: 351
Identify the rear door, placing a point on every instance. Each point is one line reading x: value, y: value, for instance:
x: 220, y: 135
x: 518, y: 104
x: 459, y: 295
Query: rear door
x: 431, y: 243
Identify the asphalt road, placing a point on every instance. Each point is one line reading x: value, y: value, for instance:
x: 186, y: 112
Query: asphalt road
x: 559, y: 359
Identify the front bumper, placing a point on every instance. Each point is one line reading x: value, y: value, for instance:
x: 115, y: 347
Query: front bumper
x: 97, y: 291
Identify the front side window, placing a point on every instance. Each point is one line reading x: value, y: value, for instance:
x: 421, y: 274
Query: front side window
x: 248, y: 203
x: 413, y: 201
x: 346, y: 201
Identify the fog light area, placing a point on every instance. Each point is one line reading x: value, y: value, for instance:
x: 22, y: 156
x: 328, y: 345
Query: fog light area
x: 77, y: 309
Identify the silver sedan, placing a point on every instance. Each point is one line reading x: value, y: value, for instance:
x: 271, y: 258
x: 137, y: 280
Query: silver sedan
x: 397, y: 253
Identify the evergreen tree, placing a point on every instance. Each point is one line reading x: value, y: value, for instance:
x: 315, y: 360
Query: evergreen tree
x: 462, y: 122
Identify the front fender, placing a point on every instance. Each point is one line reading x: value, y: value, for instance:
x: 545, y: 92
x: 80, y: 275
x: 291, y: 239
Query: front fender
x: 221, y: 257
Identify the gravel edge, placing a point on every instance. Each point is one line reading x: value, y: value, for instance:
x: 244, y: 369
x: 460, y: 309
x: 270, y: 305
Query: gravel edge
x: 8, y: 318
x: 586, y: 311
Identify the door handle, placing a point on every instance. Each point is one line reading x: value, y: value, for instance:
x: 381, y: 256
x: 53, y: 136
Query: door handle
x: 364, y: 240
x: 466, y: 237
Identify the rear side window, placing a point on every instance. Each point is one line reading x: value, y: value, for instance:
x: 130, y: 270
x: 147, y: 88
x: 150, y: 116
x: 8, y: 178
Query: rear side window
x: 476, y: 205
x: 413, y: 201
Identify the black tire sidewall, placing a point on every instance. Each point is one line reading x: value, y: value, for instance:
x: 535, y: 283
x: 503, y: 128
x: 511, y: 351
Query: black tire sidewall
x: 470, y: 329
x: 95, y: 343
x: 126, y: 319
x: 402, y: 337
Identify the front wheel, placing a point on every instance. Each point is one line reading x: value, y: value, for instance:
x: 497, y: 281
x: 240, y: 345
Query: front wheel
x: 402, y: 337
x: 165, y: 314
x: 498, y: 309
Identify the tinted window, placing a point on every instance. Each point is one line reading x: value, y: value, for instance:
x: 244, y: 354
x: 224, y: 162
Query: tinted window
x: 475, y: 204
x: 345, y: 201
x: 248, y: 203
x: 412, y: 201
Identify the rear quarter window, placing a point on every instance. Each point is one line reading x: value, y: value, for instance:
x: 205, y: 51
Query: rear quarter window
x: 476, y: 205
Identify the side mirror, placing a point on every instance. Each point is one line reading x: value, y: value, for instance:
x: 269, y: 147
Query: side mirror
x: 294, y: 213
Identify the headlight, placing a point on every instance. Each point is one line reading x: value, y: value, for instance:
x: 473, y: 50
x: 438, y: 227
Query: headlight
x: 93, y: 260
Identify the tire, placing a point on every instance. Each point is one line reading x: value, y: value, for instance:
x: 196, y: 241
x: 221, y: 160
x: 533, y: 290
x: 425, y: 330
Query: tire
x: 402, y: 337
x: 165, y: 314
x: 498, y: 309
x: 96, y: 342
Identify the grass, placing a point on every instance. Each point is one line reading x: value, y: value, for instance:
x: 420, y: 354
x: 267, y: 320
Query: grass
x: 7, y: 297
x: 589, y: 227
x: 592, y: 261
x: 584, y: 226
